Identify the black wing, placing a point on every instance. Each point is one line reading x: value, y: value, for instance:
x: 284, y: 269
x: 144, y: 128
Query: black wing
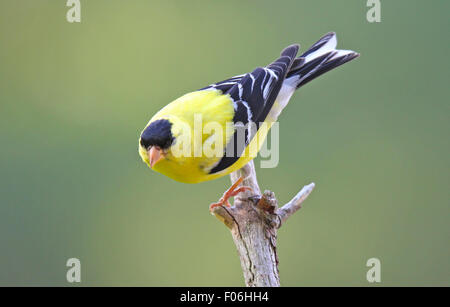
x: 224, y: 85
x: 253, y: 95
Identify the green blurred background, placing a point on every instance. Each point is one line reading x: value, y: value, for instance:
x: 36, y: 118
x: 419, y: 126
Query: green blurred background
x: 373, y: 135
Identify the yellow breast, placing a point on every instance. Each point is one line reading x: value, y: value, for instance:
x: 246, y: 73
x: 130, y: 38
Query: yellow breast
x: 201, y: 109
x: 195, y: 117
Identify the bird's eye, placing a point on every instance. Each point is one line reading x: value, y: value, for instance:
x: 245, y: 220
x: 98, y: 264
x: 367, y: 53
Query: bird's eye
x: 169, y: 143
x: 144, y: 145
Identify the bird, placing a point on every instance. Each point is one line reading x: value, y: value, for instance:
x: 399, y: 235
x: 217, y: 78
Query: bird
x: 231, y: 118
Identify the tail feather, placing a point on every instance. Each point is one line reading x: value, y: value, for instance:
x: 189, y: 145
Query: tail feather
x: 318, y: 59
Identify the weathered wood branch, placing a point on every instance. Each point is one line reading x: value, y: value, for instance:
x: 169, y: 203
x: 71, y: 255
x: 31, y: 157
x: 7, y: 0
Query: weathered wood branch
x: 253, y: 220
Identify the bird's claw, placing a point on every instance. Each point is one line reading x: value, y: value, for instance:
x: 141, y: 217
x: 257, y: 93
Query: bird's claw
x: 231, y: 192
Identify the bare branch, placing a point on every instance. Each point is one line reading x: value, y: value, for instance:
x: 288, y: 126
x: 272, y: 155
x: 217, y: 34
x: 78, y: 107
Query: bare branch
x: 223, y: 215
x: 296, y: 203
x: 253, y: 220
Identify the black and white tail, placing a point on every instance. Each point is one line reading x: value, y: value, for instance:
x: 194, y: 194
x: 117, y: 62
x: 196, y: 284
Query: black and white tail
x: 260, y: 96
x: 318, y: 59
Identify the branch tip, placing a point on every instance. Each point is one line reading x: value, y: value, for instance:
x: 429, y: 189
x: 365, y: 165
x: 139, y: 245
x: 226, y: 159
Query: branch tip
x: 223, y: 215
x: 296, y: 203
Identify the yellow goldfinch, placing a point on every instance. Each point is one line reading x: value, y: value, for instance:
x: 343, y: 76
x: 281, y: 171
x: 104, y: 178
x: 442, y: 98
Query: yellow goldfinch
x: 233, y: 105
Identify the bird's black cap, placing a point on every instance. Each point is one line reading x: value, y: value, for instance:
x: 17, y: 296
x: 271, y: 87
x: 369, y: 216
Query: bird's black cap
x: 158, y: 133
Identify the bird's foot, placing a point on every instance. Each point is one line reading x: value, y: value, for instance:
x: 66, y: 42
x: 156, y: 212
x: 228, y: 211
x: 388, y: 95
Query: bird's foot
x: 232, y: 191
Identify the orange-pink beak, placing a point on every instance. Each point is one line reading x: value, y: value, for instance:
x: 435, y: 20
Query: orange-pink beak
x: 154, y: 155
